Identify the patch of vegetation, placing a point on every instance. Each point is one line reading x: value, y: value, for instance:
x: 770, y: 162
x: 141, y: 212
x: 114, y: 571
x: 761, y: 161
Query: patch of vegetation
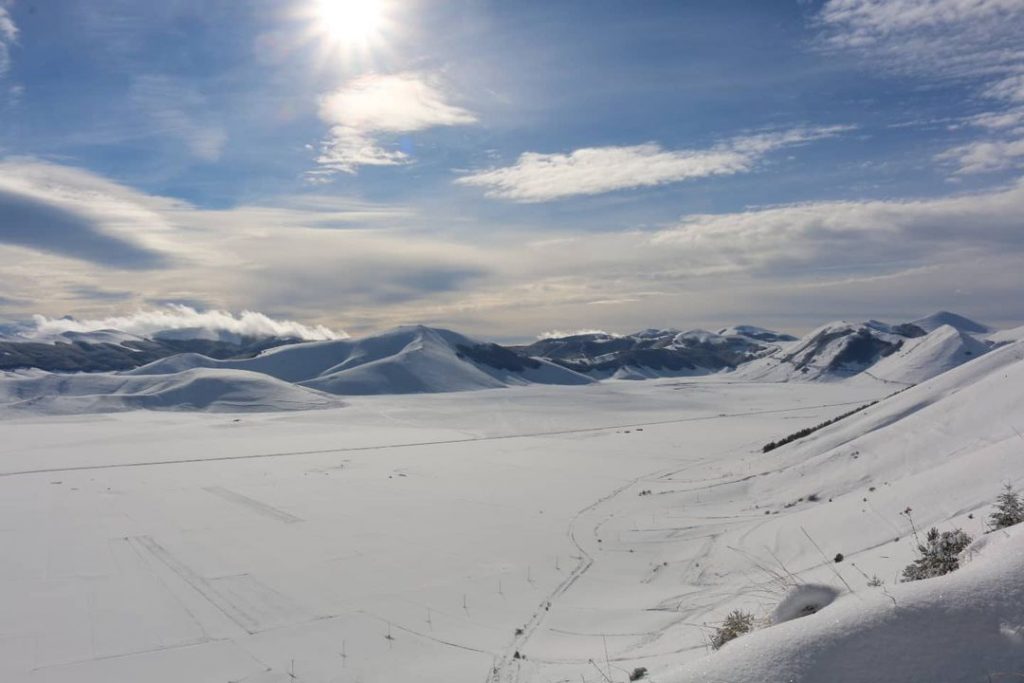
x: 638, y: 673
x: 734, y: 626
x: 772, y: 445
x: 938, y: 555
x: 1009, y: 509
x: 807, y: 431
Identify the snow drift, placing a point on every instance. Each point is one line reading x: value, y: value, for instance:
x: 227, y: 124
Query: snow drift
x: 965, y: 626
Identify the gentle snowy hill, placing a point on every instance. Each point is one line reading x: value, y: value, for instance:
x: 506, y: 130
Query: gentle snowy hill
x: 937, y: 320
x: 405, y: 360
x: 192, y: 389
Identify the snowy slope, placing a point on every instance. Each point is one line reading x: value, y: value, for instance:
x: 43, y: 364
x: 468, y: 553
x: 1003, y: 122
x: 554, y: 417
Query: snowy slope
x: 919, y: 359
x: 941, y: 449
x: 191, y: 389
x: 964, y: 626
x: 411, y: 359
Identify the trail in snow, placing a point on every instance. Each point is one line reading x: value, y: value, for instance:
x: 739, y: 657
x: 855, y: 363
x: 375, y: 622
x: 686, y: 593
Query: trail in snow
x: 441, y: 442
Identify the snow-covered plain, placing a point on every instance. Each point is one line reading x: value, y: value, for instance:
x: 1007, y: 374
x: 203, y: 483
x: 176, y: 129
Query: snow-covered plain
x: 592, y: 529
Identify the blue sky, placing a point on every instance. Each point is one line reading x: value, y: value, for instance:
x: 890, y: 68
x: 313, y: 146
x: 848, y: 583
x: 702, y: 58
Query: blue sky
x: 508, y: 168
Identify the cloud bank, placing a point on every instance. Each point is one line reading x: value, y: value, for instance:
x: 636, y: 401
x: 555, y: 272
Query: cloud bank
x: 537, y: 177
x: 179, y: 318
x: 364, y: 267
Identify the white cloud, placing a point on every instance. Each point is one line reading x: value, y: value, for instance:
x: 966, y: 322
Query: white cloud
x: 999, y: 120
x: 985, y: 156
x: 8, y: 36
x: 972, y: 40
x: 560, y: 334
x: 1010, y: 88
x: 176, y: 317
x: 868, y: 20
x: 370, y: 106
x: 537, y: 177
x: 359, y: 267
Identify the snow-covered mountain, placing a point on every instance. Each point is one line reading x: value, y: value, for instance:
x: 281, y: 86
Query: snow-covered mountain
x: 405, y: 360
x: 940, y: 318
x: 107, y: 350
x: 657, y: 353
x: 416, y: 359
x: 903, y: 353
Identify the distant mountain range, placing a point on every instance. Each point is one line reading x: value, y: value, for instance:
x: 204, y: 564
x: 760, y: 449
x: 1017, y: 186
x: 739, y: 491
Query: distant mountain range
x: 107, y: 350
x: 657, y: 353
x: 279, y: 373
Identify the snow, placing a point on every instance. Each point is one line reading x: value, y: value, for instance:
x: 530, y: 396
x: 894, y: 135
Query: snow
x: 803, y: 600
x: 963, y: 626
x: 405, y: 360
x: 1006, y: 336
x: 432, y: 536
x: 920, y: 359
x: 870, y: 351
x: 959, y: 322
x: 190, y: 389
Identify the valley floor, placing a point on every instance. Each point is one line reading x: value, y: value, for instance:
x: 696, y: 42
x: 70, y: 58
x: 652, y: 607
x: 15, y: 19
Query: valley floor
x: 423, y: 538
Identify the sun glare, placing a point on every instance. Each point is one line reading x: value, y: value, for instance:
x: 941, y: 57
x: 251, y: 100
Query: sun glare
x: 350, y: 23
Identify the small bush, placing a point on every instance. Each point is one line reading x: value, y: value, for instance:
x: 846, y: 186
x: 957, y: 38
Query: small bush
x: 938, y: 555
x: 638, y: 673
x: 1009, y: 509
x: 734, y: 626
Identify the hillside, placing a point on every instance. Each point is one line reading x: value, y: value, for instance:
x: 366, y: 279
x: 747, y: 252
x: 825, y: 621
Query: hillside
x: 940, y: 449
x: 189, y: 389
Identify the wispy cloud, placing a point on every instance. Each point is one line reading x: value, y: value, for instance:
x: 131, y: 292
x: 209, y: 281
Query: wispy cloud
x: 177, y: 109
x: 538, y: 177
x: 985, y: 156
x: 941, y: 38
x: 74, y: 213
x: 370, y: 107
x: 973, y: 42
x: 1010, y: 88
x: 8, y: 37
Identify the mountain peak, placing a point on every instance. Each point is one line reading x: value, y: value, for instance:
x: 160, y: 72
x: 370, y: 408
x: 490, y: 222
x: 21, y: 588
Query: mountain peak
x: 940, y: 318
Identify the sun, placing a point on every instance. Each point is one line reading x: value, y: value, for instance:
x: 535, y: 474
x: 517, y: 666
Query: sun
x: 350, y: 21
x: 348, y: 33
